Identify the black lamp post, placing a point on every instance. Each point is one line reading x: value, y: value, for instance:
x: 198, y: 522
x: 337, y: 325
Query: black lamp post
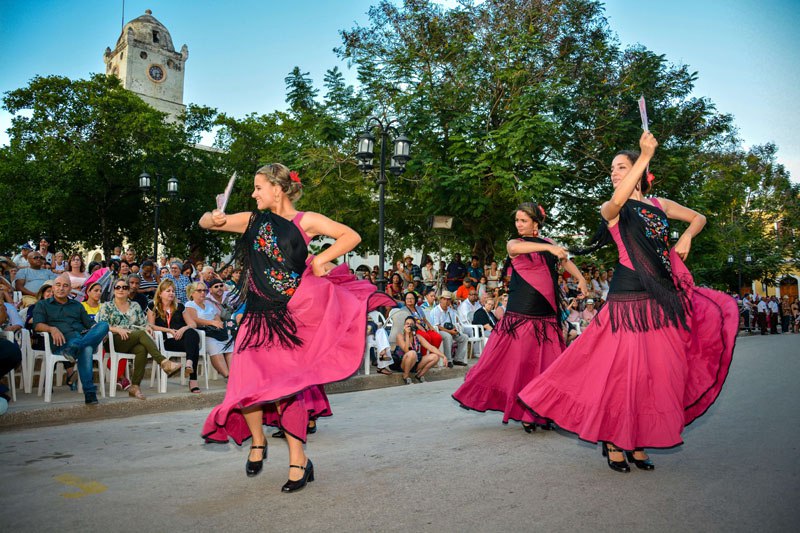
x: 365, y: 154
x: 738, y: 262
x: 172, y: 191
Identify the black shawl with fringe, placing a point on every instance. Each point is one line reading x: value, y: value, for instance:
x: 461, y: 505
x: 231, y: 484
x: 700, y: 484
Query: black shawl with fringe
x: 272, y: 254
x: 645, y: 233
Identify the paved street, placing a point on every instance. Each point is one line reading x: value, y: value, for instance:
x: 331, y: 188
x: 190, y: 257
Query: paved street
x: 408, y: 459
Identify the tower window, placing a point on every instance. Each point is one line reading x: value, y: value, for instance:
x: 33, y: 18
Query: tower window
x: 155, y: 36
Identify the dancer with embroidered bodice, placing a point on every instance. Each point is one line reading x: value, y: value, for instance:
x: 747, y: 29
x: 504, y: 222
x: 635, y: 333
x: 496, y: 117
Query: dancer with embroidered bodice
x: 657, y: 354
x: 304, y: 323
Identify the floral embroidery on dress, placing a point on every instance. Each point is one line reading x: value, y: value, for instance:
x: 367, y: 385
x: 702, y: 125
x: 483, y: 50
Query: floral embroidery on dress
x: 266, y: 241
x: 656, y: 228
x: 283, y: 282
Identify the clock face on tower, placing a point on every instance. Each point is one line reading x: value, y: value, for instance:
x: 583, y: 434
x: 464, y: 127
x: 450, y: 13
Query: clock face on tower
x: 156, y: 73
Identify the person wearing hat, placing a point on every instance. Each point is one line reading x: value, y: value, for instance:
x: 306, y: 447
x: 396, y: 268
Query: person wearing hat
x: 21, y: 259
x: 445, y: 320
x: 588, y: 313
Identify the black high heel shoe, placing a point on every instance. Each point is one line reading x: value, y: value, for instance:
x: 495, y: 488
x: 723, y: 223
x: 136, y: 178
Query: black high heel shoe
x: 312, y: 429
x: 308, y: 476
x: 547, y: 426
x: 617, y: 466
x: 641, y: 464
x: 252, y: 468
x: 279, y: 434
x: 529, y: 428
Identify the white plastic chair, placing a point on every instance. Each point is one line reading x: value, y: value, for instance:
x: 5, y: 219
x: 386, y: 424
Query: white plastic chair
x: 115, y: 356
x: 48, y: 368
x: 182, y: 356
x: 476, y: 340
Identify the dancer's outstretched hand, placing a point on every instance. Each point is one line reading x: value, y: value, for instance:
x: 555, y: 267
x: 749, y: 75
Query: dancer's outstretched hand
x: 648, y: 143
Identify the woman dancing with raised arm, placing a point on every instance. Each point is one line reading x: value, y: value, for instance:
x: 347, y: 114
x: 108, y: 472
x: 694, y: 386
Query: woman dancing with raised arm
x: 528, y: 338
x: 304, y: 324
x: 656, y: 356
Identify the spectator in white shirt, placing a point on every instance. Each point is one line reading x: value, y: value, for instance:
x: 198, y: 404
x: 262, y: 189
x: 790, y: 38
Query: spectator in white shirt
x: 467, y: 308
x: 445, y: 320
x: 762, y: 315
x: 774, y: 313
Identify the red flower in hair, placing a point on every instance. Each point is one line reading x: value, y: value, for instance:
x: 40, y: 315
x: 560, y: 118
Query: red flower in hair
x: 650, y: 178
x: 295, y: 176
x: 541, y: 210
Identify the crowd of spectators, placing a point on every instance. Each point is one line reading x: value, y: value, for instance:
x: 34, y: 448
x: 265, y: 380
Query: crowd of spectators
x: 432, y: 323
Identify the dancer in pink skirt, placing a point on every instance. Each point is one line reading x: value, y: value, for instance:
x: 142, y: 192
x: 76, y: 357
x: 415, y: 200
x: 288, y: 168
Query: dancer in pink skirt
x: 304, y: 324
x: 528, y: 338
x: 656, y: 356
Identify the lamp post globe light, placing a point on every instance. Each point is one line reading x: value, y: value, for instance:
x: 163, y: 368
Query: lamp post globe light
x: 145, y: 182
x: 365, y: 153
x: 737, y: 261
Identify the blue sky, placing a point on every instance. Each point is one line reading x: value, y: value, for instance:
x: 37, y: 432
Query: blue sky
x: 746, y: 52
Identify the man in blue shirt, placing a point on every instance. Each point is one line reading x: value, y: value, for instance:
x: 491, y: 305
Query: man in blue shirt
x: 73, y: 334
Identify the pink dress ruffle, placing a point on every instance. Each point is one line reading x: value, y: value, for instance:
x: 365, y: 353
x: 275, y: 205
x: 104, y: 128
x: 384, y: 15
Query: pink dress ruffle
x: 510, y: 362
x: 330, y: 314
x: 639, y: 389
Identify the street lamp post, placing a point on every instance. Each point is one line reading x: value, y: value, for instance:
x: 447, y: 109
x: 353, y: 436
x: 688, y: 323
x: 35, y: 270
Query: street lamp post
x: 172, y: 191
x: 738, y: 261
x: 365, y: 155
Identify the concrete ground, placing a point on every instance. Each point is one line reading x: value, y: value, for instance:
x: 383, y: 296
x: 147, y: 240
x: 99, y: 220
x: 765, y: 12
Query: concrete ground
x: 407, y: 458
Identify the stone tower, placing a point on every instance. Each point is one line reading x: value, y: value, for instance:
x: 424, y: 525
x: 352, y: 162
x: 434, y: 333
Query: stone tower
x: 147, y: 63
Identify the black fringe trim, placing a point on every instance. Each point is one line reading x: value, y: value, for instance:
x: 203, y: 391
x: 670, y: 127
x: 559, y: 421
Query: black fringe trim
x: 268, y: 322
x: 541, y: 324
x: 640, y: 312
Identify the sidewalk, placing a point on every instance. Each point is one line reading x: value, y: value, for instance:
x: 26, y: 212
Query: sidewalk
x: 67, y: 406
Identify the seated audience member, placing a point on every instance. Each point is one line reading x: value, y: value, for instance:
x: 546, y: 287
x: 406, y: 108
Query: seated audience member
x: 484, y: 317
x: 181, y: 280
x: 21, y: 259
x: 117, y: 253
x: 445, y: 319
x: 409, y: 352
x: 493, y: 276
x: 424, y: 328
x: 29, y: 280
x: 124, y: 269
x: 207, y: 275
x: 93, y: 267
x: 236, y: 273
x: 59, y: 263
x: 206, y: 316
x: 482, y: 288
x: 429, y: 303
x: 77, y: 273
x: 395, y: 289
x: 92, y: 306
x: 429, y: 275
x: 66, y: 320
x: 189, y: 271
x: 467, y: 308
x: 133, y: 293
x: 14, y: 321
x: 129, y: 326
x: 474, y: 272
x: 588, y: 313
x: 166, y: 314
x: 383, y: 355
x: 10, y: 358
x: 148, y: 283
x: 463, y: 290
x: 456, y: 271
x: 44, y: 251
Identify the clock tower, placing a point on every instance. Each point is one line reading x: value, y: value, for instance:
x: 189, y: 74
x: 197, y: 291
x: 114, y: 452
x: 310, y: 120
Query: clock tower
x: 146, y: 62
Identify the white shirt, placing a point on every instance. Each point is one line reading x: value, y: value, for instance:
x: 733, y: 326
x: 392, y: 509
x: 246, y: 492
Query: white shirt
x: 439, y: 317
x: 762, y: 306
x: 773, y: 307
x: 466, y: 311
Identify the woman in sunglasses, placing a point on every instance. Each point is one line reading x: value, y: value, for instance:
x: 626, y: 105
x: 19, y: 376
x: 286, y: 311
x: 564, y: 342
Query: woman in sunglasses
x: 129, y: 326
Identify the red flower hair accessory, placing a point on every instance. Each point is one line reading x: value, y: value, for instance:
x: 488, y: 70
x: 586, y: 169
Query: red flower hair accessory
x: 650, y: 178
x: 294, y: 176
x: 541, y: 210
